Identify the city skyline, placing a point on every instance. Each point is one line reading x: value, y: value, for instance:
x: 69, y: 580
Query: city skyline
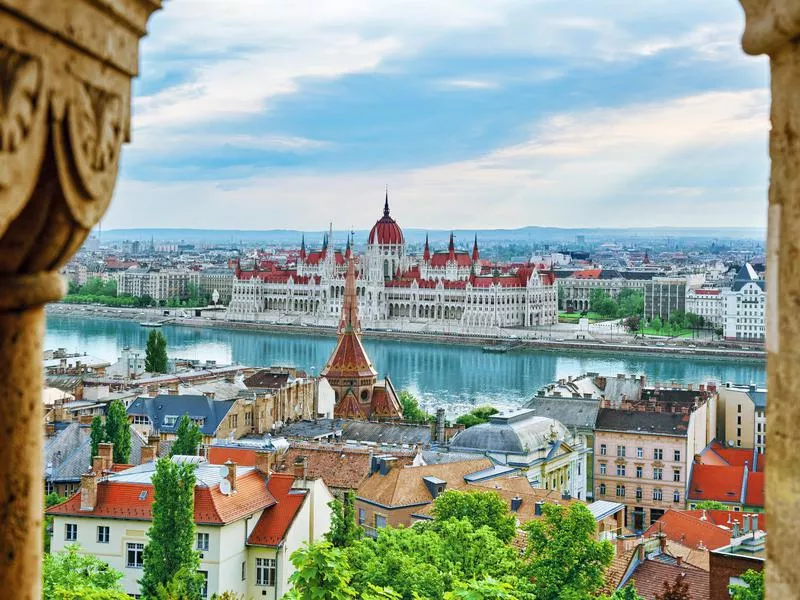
x: 625, y: 115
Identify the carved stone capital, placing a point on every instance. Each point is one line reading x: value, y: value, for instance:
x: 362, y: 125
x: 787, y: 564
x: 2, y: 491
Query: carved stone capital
x: 769, y: 24
x: 65, y: 93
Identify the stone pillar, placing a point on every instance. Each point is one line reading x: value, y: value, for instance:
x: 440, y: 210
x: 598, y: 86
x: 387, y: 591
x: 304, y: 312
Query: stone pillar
x: 773, y: 27
x: 65, y: 83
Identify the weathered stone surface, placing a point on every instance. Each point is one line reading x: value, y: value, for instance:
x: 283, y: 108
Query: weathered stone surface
x: 65, y: 90
x: 773, y: 27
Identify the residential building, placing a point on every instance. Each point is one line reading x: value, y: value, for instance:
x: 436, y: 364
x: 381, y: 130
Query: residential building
x: 733, y: 476
x: 553, y: 458
x: 643, y: 450
x: 745, y: 307
x: 575, y: 287
x: 727, y: 564
x: 708, y: 303
x: 452, y: 288
x: 248, y: 522
x: 654, y: 564
x: 219, y: 279
x: 663, y: 296
x: 159, y: 284
x: 742, y: 416
x: 707, y: 529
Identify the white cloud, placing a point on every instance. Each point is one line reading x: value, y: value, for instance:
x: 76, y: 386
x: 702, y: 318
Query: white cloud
x: 574, y: 170
x: 468, y: 84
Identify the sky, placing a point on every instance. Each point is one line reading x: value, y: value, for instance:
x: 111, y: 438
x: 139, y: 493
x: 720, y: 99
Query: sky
x: 272, y: 114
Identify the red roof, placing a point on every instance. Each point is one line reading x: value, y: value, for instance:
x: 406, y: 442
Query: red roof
x: 440, y: 259
x: 707, y: 292
x: 690, y: 530
x: 732, y: 456
x: 123, y: 500
x: 649, y: 577
x: 219, y: 455
x: 275, y: 521
x: 386, y: 230
x: 587, y: 274
x: 725, y: 518
x: 717, y: 482
x: 754, y: 496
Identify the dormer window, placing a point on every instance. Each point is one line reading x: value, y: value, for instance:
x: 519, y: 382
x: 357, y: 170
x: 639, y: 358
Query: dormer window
x: 170, y: 420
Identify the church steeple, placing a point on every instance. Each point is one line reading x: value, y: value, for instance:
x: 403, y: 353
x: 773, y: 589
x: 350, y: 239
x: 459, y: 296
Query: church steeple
x: 451, y: 248
x: 426, y: 253
x: 386, y: 203
x: 475, y: 254
x: 303, y: 247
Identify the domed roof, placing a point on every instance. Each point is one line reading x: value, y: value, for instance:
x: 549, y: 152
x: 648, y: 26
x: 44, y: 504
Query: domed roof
x: 518, y: 432
x: 386, y: 230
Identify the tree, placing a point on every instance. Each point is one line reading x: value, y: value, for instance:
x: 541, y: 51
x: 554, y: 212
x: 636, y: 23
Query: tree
x: 187, y: 438
x: 92, y: 287
x: 627, y: 593
x: 344, y: 529
x: 71, y: 575
x: 753, y: 588
x: 156, y: 353
x: 711, y: 505
x: 655, y: 323
x: 170, y: 551
x: 322, y: 572
x: 565, y: 561
x: 484, y: 589
x: 109, y: 288
x: 118, y: 431
x: 186, y: 585
x: 677, y: 590
x: 477, y: 416
x: 479, y: 508
x: 633, y: 323
x: 603, y: 304
x: 97, y: 434
x: 630, y: 302
x: 50, y: 499
x: 411, y: 410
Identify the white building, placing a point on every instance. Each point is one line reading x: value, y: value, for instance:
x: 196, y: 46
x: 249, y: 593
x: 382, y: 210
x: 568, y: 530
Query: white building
x: 745, y: 304
x: 159, y: 284
x: 452, y: 288
x: 707, y: 303
x: 248, y: 522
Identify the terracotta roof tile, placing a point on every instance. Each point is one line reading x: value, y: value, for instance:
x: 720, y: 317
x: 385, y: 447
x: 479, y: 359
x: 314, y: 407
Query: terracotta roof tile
x: 276, y: 519
x: 714, y: 482
x: 689, y: 530
x: 754, y: 496
x: 649, y: 578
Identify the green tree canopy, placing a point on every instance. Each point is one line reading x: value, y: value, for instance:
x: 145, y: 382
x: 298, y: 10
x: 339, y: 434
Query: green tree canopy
x: 565, y: 561
x: 155, y: 360
x: 753, y: 588
x: 479, y: 508
x: 71, y: 575
x: 322, y: 572
x: 484, y: 589
x: 50, y: 499
x: 170, y: 553
x: 97, y: 434
x: 627, y: 593
x: 344, y: 529
x: 187, y: 438
x: 711, y: 505
x: 477, y: 416
x: 603, y: 304
x: 118, y: 431
x: 630, y: 302
x: 411, y: 410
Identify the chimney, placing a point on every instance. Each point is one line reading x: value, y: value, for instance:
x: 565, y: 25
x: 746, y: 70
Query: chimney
x: 440, y: 425
x: 152, y: 390
x: 386, y: 464
x: 745, y: 524
x: 263, y: 462
x: 231, y: 477
x: 209, y: 395
x: 516, y: 502
x: 97, y: 465
x: 702, y: 387
x: 172, y: 389
x: 754, y: 525
x: 148, y: 454
x: 58, y: 410
x: 679, y: 560
x: 565, y: 495
x: 690, y: 387
x: 301, y: 467
x: 88, y: 491
x: 537, y: 508
x: 154, y: 440
x: 49, y: 429
x: 106, y: 451
x: 698, y: 459
x: 662, y: 542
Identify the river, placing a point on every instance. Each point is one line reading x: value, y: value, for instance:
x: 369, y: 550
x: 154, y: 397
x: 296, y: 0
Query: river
x: 453, y: 375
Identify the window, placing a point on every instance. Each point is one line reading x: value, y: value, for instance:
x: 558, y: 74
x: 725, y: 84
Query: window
x: 204, y: 585
x: 244, y: 571
x: 602, y: 468
x: 49, y: 489
x: 103, y: 534
x: 639, y: 471
x: 248, y: 418
x: 657, y: 494
x: 202, y: 542
x: 620, y: 470
x: 265, y: 571
x: 676, y: 474
x: 71, y: 532
x: 135, y: 555
x: 579, y: 467
x: 602, y: 449
x: 602, y: 489
x: 676, y: 496
x: 658, y: 454
x: 233, y: 421
x: 620, y: 450
x: 380, y: 521
x: 362, y: 516
x: 739, y: 420
x: 638, y: 493
x: 141, y: 420
x: 640, y: 453
x: 170, y: 420
x: 677, y: 456
x: 738, y: 432
x: 738, y: 408
x: 658, y: 473
x: 620, y: 491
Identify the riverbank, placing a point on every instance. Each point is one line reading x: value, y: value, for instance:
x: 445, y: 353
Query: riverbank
x: 511, y: 342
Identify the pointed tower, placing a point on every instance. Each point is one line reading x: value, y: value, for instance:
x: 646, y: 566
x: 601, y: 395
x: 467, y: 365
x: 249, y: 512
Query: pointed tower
x: 426, y: 254
x: 303, y: 248
x: 475, y: 254
x: 347, y: 251
x: 451, y: 248
x: 349, y: 370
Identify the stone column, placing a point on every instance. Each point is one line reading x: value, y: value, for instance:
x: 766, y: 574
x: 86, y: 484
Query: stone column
x: 773, y: 27
x: 65, y: 92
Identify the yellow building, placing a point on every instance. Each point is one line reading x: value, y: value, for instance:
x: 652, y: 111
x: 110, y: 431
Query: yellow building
x: 742, y: 416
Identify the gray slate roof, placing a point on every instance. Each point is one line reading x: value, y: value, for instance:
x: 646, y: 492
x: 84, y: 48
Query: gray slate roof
x: 516, y: 432
x: 609, y: 419
x: 197, y: 407
x: 759, y: 398
x: 362, y: 431
x: 572, y: 412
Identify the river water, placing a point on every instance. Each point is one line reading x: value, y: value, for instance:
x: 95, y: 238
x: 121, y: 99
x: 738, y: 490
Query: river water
x: 451, y: 375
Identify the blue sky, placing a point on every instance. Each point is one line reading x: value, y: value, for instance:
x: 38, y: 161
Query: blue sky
x: 261, y: 114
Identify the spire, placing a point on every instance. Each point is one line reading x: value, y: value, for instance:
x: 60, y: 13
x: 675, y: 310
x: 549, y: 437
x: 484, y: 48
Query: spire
x: 426, y: 254
x: 386, y: 203
x: 451, y: 248
x: 303, y: 247
x: 347, y: 249
x: 349, y: 321
x: 475, y: 254
x: 325, y: 242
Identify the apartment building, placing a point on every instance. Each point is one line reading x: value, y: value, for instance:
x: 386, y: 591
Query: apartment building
x: 707, y: 303
x: 663, y: 296
x: 159, y: 284
x: 248, y: 520
x: 575, y: 288
x: 745, y: 307
x: 742, y: 416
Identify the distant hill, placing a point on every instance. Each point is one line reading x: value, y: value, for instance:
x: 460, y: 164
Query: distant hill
x: 523, y: 235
